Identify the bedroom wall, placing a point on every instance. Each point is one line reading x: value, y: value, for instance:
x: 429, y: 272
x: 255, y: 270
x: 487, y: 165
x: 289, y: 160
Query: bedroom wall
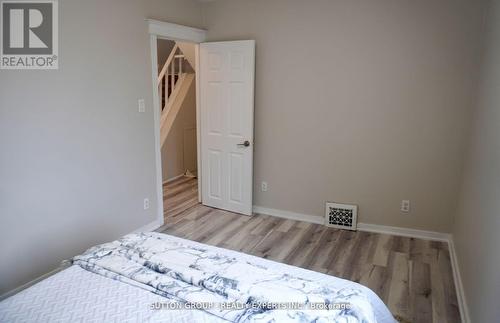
x: 76, y: 157
x: 477, y: 223
x: 364, y: 102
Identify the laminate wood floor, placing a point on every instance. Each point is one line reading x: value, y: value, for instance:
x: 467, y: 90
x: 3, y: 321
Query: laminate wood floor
x: 412, y: 276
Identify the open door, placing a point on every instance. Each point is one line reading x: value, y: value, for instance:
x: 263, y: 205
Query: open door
x: 227, y: 71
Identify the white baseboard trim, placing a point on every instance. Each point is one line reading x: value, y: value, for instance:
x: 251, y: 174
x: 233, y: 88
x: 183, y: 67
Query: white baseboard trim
x: 150, y: 226
x: 459, y: 287
x: 289, y: 215
x: 173, y: 178
x: 398, y: 231
x: 404, y: 232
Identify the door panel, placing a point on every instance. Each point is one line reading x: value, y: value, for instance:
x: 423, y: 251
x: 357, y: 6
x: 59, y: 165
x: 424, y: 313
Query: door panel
x: 215, y: 100
x: 227, y: 104
x: 235, y: 180
x: 215, y: 167
x: 236, y: 96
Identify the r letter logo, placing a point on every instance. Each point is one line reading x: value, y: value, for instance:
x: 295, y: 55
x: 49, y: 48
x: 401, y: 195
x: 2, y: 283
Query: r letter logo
x: 29, y: 35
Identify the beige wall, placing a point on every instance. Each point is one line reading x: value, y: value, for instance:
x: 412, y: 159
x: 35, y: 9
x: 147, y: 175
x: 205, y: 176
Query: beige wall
x: 477, y: 224
x: 183, y: 12
x: 76, y: 157
x: 362, y: 102
x: 179, y: 151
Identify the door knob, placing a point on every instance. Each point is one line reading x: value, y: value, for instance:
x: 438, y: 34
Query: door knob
x: 246, y: 143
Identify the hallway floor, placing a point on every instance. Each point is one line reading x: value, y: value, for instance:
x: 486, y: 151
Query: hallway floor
x: 179, y: 195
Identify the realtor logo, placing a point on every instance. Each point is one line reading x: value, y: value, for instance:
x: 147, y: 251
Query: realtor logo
x: 29, y: 34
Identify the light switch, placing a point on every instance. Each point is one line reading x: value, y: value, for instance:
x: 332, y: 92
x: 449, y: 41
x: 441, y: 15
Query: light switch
x: 141, y: 105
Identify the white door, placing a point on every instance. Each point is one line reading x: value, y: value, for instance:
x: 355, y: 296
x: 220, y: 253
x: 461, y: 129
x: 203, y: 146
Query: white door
x: 227, y: 72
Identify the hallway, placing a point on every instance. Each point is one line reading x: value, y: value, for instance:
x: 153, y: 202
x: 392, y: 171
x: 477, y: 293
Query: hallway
x: 179, y: 195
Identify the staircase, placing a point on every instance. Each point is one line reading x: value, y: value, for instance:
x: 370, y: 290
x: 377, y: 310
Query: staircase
x: 174, y: 80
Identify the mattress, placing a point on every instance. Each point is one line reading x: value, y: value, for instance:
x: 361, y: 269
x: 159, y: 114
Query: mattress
x: 76, y: 294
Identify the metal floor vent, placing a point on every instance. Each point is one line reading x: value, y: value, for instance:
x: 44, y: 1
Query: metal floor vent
x: 342, y: 216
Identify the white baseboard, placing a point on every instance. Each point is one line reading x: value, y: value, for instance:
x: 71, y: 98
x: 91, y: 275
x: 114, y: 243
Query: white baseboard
x: 398, y: 231
x: 404, y: 232
x: 289, y: 215
x: 150, y: 226
x: 173, y: 178
x: 457, y: 278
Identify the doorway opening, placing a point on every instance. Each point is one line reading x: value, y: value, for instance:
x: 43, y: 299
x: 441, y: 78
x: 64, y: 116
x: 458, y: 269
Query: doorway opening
x: 203, y: 116
x: 178, y: 125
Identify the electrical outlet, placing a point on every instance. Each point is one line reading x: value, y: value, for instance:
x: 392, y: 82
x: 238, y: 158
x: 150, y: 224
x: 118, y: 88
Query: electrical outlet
x: 141, y: 105
x: 264, y: 186
x: 405, y: 206
x: 146, y: 203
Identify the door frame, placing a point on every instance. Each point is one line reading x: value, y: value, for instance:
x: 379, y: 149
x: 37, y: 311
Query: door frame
x: 158, y: 30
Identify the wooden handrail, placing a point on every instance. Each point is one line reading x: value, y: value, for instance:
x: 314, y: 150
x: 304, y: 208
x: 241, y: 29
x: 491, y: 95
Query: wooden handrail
x: 167, y: 63
x: 168, y: 74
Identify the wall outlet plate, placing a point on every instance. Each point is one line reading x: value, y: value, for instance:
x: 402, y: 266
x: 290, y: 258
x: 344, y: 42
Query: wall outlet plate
x: 405, y: 206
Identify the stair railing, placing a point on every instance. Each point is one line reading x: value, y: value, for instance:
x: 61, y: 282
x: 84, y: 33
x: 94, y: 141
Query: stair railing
x: 169, y: 75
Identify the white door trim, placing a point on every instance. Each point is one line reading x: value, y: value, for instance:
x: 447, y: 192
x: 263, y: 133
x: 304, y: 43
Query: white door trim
x: 176, y: 32
x: 198, y: 117
x: 160, y: 29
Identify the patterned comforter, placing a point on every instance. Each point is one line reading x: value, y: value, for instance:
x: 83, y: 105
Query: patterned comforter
x: 233, y: 289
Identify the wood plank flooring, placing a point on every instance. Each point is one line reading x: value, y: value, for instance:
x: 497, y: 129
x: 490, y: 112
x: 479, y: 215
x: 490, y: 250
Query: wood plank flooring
x: 412, y: 276
x: 179, y: 195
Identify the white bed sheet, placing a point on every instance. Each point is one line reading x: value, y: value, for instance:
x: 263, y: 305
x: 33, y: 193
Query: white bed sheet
x: 76, y: 295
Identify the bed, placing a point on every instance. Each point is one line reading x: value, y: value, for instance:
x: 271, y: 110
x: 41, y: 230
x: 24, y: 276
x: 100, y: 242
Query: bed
x: 154, y: 277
